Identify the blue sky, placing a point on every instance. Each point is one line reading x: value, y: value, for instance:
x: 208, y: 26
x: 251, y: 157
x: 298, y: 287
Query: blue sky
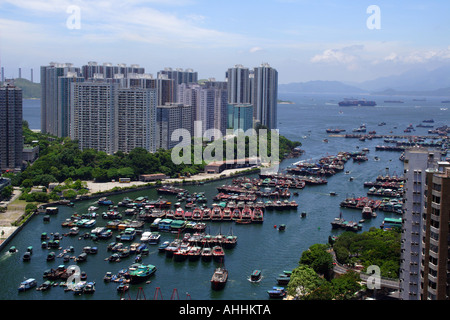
x: 304, y: 40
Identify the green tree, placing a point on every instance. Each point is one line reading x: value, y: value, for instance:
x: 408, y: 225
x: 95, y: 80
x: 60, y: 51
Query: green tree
x: 318, y: 258
x: 304, y: 280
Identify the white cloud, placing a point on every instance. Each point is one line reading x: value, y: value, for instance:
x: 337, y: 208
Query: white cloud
x: 334, y: 56
x: 256, y: 49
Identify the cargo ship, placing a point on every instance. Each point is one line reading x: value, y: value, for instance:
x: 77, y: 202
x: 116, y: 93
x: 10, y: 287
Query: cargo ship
x: 357, y: 103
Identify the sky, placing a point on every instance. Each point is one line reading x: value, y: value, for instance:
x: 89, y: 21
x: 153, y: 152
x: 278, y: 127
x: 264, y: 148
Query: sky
x: 341, y: 40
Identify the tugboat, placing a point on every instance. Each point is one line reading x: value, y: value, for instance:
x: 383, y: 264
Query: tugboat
x: 219, y: 278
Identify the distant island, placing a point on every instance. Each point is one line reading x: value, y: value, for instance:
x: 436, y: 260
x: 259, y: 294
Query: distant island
x: 284, y: 102
x: 30, y: 90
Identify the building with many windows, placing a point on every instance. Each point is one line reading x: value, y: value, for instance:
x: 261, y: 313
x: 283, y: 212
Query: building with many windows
x: 93, y: 115
x: 135, y: 119
x: 265, y: 96
x: 170, y: 117
x: 11, y: 139
x: 435, y: 266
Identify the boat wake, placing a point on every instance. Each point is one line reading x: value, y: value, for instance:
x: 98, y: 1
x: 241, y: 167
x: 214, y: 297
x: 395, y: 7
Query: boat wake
x: 254, y: 281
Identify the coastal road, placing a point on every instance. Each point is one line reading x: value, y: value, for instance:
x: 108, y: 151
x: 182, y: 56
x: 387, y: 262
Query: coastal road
x: 384, y: 282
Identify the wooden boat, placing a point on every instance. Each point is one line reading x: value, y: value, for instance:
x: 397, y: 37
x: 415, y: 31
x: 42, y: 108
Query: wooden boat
x: 206, y: 214
x: 217, y: 214
x: 226, y: 216
x: 277, y: 292
x: 258, y: 216
x: 219, y: 278
x: 197, y: 214
x: 179, y: 214
x: 140, y: 272
x: 255, y: 276
x: 236, y: 214
x: 206, y: 254
x: 194, y: 253
x: 218, y: 253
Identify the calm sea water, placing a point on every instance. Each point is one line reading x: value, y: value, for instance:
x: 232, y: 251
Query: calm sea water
x: 259, y: 246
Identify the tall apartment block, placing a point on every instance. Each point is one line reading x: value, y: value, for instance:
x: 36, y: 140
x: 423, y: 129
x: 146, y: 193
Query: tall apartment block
x: 170, y: 117
x: 265, y: 95
x: 417, y: 161
x: 135, y: 119
x: 435, y: 266
x: 54, y: 97
x: 179, y: 75
x: 93, y: 115
x: 11, y: 139
x: 209, y: 103
x: 238, y: 84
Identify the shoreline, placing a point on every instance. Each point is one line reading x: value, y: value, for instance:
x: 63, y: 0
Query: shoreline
x: 99, y: 189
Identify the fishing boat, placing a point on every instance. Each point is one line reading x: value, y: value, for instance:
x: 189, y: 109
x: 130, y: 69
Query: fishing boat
x: 172, y: 248
x: 27, y: 284
x: 206, y: 254
x: 255, y: 276
x: 258, y: 216
x: 217, y: 214
x: 236, y: 214
x: 123, y: 287
x: 105, y: 201
x: 163, y: 246
x: 206, y: 214
x: 44, y: 286
x: 140, y: 272
x: 154, y: 238
x: 226, y: 214
x: 145, y: 237
x: 197, y: 214
x: 89, y: 287
x: 218, y: 253
x: 219, y: 278
x: 182, y: 253
x: 367, y: 212
x: 277, y: 292
x: 179, y: 214
x: 194, y: 253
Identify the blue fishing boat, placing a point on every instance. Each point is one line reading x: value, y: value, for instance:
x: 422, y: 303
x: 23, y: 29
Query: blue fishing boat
x: 277, y: 292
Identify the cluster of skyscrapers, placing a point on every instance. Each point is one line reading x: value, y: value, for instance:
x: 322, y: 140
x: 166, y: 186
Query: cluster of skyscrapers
x: 114, y: 108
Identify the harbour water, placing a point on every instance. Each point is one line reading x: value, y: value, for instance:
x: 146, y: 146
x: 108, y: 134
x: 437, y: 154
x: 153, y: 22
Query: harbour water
x: 260, y: 246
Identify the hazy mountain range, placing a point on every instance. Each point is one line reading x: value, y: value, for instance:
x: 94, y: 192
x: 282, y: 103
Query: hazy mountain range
x: 415, y: 82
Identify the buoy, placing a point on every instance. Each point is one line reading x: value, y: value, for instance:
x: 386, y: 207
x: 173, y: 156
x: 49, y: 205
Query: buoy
x: 274, y: 226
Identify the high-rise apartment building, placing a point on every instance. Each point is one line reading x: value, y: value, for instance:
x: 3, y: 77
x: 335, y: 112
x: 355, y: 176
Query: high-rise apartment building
x: 417, y: 161
x: 180, y: 76
x: 435, y: 266
x: 135, y: 119
x: 11, y: 139
x: 93, y: 115
x: 238, y: 84
x: 265, y: 96
x: 170, y: 117
x: 54, y: 93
